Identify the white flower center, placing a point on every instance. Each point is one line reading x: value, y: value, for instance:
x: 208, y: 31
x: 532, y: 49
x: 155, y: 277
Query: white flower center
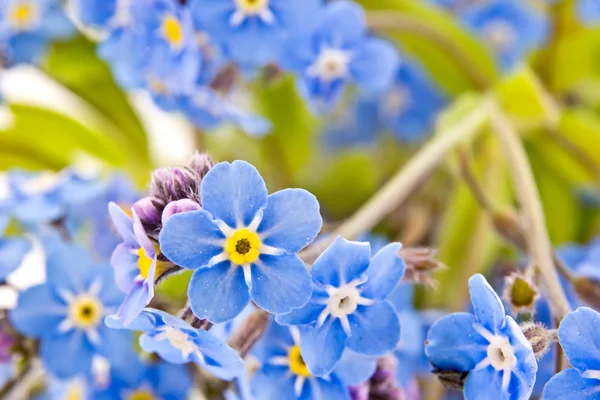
x: 500, y: 355
x: 343, y: 301
x: 179, y: 340
x: 23, y: 15
x: 331, y: 64
x: 395, y: 101
x: 500, y: 34
x: 251, y: 8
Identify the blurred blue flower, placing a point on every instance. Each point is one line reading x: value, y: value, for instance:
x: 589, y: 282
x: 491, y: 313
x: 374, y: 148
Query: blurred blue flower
x: 253, y: 30
x: 177, y: 342
x: 339, y: 51
x: 243, y: 244
x: 489, y: 345
x: 66, y: 312
x: 12, y: 250
x: 510, y: 28
x: 578, y: 335
x: 28, y: 26
x: 77, y: 388
x: 348, y: 307
x: 588, y: 11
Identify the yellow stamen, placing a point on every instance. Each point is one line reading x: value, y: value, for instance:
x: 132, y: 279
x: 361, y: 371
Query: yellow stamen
x: 74, y: 392
x: 243, y: 246
x: 145, y: 262
x: 172, y: 31
x: 23, y: 15
x: 141, y: 395
x: 252, y: 6
x: 85, y: 312
x: 297, y: 364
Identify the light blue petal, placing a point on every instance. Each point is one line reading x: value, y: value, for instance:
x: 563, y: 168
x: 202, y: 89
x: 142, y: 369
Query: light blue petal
x: 309, y: 313
x: 163, y: 348
x: 38, y: 312
x: 136, y: 300
x: 341, y: 263
x: 145, y: 322
x: 191, y: 239
x: 331, y: 388
x: 402, y: 296
x: 125, y: 263
x: 218, y: 293
x: 453, y: 344
x: 570, y: 385
x: 12, y: 251
x: 67, y: 355
x: 116, y: 345
x: 280, y: 283
x: 374, y: 65
x: 69, y: 267
x: 172, y: 382
x: 375, y: 330
x: 291, y: 220
x: 384, y: 272
x: 234, y: 193
x: 578, y: 334
x: 588, y: 11
x: 343, y: 23
x: 487, y: 384
x: 355, y: 368
x: 221, y: 360
x: 272, y: 382
x: 96, y: 13
x: 487, y: 306
x: 322, y: 347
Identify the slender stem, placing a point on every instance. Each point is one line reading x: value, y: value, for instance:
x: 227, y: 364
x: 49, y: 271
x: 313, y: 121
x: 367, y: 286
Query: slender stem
x: 399, y: 22
x: 401, y: 185
x: 536, y: 234
x: 470, y: 178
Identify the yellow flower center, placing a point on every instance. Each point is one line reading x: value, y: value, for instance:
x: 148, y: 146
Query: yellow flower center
x: 23, y: 15
x: 243, y: 246
x: 141, y: 394
x: 297, y: 364
x: 85, y: 311
x: 252, y: 6
x: 172, y: 31
x: 145, y: 262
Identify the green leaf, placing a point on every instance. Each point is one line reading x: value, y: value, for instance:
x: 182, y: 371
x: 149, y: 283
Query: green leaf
x: 174, y: 288
x: 582, y: 127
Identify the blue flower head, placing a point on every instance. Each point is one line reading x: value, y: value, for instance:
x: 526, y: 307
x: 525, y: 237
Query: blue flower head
x: 252, y: 31
x: 177, y: 342
x: 509, y: 27
x: 338, y: 52
x: 348, y: 307
x: 67, y: 312
x: 578, y: 335
x: 28, y: 26
x: 243, y: 244
x: 489, y: 345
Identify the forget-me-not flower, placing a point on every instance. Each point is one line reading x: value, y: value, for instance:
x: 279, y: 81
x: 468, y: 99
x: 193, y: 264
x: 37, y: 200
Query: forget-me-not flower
x: 67, y: 312
x: 179, y: 343
x: 348, y: 308
x: 488, y: 344
x: 339, y: 51
x: 243, y: 244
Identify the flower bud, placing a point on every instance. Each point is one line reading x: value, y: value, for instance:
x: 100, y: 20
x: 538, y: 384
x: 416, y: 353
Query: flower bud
x: 510, y: 228
x: 179, y: 206
x: 539, y: 337
x: 450, y: 379
x: 382, y: 384
x: 148, y: 210
x: 588, y: 289
x: 420, y: 263
x: 520, y: 292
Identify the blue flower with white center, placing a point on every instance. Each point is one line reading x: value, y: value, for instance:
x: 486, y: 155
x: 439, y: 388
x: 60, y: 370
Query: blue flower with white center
x: 348, y: 307
x: 578, y: 335
x: 489, y: 345
x: 177, y: 342
x: 339, y: 52
x: 135, y: 262
x: 509, y: 28
x: 28, y: 26
x: 66, y: 312
x: 243, y: 244
x: 143, y: 381
x: 588, y: 11
x: 253, y: 30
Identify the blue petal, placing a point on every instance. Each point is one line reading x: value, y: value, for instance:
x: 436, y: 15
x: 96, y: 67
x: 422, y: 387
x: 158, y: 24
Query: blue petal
x: 487, y: 384
x: 163, y: 348
x: 374, y: 65
x: 375, y: 329
x: 341, y: 263
x: 402, y: 296
x: 280, y: 283
x: 309, y: 313
x: 191, y: 239
x: 234, y: 193
x: 12, y: 251
x: 125, y: 263
x: 221, y: 360
x: 172, y: 382
x: 570, y: 385
x: 273, y: 382
x: 123, y: 223
x: 355, y: 368
x: 136, y: 300
x: 96, y: 13
x: 116, y: 345
x: 331, y: 388
x: 322, y: 347
x: 69, y: 267
x: 384, y: 272
x: 588, y: 11
x: 67, y: 355
x: 487, y: 306
x: 38, y: 312
x: 453, y: 344
x: 145, y: 322
x: 291, y: 220
x: 343, y: 23
x: 578, y: 334
x: 218, y: 293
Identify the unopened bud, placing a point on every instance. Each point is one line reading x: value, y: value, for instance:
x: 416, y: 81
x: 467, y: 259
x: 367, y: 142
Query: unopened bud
x: 383, y: 384
x: 510, y: 228
x: 420, y: 263
x: 148, y: 210
x: 539, y: 337
x: 360, y: 392
x: 450, y: 379
x: 179, y: 206
x: 588, y: 289
x: 520, y: 293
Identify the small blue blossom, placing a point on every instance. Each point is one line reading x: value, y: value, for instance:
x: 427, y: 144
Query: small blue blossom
x: 253, y: 30
x: 588, y: 11
x: 348, y: 308
x: 98, y: 14
x: 66, y: 312
x: 489, y: 345
x: 28, y: 26
x: 509, y: 28
x: 12, y: 251
x: 177, y: 342
x: 578, y: 335
x: 338, y: 52
x: 243, y: 244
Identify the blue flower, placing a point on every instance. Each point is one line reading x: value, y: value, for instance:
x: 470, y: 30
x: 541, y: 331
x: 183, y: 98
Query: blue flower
x: 27, y: 27
x: 66, y: 312
x: 243, y: 244
x: 338, y: 52
x: 78, y: 388
x: 488, y: 345
x: 509, y: 27
x: 588, y: 11
x: 578, y: 335
x: 348, y: 308
x: 12, y: 251
x: 177, y: 342
x: 98, y: 14
x: 253, y: 30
